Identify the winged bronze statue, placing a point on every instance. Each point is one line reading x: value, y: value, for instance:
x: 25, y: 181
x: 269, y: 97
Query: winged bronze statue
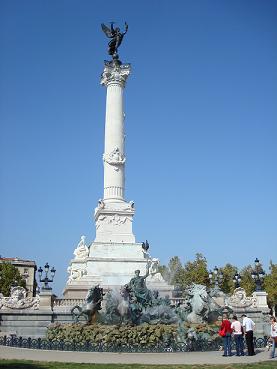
x: 116, y: 38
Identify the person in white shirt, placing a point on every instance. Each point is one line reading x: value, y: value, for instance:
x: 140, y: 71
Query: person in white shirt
x: 238, y: 336
x: 273, y: 335
x: 248, y: 326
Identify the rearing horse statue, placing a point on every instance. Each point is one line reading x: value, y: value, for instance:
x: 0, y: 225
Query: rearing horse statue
x: 202, y: 306
x: 90, y: 307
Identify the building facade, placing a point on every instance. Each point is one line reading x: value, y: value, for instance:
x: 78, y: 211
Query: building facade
x: 27, y: 269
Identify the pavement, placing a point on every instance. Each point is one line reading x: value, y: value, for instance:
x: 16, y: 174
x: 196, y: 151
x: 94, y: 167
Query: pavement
x: 209, y: 357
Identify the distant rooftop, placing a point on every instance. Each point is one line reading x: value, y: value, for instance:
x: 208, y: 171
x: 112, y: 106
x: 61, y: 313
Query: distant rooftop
x: 17, y: 260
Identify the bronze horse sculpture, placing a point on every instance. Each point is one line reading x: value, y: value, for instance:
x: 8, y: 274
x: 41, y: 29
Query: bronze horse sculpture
x: 90, y: 307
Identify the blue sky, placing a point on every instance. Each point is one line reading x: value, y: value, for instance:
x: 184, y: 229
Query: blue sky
x: 200, y: 123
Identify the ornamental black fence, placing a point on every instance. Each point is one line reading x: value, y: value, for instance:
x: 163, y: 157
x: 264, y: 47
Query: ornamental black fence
x: 192, y: 345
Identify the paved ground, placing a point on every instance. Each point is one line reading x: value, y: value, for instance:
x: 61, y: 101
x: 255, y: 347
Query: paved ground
x: 214, y: 357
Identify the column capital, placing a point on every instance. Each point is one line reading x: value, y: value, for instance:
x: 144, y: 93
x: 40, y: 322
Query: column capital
x: 115, y: 73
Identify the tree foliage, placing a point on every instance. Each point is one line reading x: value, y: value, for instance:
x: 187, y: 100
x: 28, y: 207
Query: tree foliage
x: 247, y: 281
x: 192, y: 272
x: 196, y: 271
x: 9, y: 276
x: 173, y: 272
x: 176, y: 271
x: 228, y: 272
x: 163, y: 269
x: 270, y: 285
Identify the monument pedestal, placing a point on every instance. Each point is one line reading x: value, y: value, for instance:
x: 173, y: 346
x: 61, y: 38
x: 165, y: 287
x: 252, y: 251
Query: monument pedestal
x: 261, y: 298
x: 46, y: 300
x: 111, y: 265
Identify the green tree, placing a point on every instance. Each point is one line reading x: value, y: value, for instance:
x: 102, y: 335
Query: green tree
x: 228, y: 271
x: 196, y: 271
x: 173, y: 273
x: 247, y: 281
x: 9, y: 276
x: 163, y: 269
x: 192, y: 272
x: 270, y: 286
x: 176, y: 271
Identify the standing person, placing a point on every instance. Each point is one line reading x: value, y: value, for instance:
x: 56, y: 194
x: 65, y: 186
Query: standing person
x: 273, y: 335
x: 227, y: 331
x: 248, y: 326
x: 237, y: 331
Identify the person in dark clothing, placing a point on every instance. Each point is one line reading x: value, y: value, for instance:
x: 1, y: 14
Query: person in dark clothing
x: 248, y: 326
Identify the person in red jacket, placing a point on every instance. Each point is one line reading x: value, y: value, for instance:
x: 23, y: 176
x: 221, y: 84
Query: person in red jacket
x: 227, y: 332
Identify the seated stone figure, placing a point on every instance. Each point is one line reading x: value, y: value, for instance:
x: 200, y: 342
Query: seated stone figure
x: 82, y: 250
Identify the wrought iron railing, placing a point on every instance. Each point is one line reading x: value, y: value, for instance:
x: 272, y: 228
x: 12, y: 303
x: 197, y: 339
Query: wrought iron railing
x: 193, y: 345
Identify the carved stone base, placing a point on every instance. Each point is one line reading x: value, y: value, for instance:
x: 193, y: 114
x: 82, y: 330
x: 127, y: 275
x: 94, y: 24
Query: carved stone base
x: 261, y: 298
x: 114, y: 222
x: 111, y: 265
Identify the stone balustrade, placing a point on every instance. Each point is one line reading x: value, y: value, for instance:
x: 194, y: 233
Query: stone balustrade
x: 71, y: 302
x: 67, y: 302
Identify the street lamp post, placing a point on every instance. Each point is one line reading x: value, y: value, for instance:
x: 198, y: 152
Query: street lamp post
x: 237, y: 280
x: 258, y: 274
x: 215, y: 277
x: 46, y: 279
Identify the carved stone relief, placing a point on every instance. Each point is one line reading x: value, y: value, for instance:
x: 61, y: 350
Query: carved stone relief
x: 82, y: 250
x: 153, y: 269
x: 154, y: 275
x: 114, y: 220
x: 19, y: 300
x: 239, y: 299
x: 75, y: 273
x: 100, y: 206
x: 117, y: 74
x: 115, y: 158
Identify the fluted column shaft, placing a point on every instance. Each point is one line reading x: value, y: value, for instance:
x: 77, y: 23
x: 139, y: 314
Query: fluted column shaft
x: 114, y: 78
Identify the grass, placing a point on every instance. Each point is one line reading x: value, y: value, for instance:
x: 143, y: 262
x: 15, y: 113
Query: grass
x: 24, y: 364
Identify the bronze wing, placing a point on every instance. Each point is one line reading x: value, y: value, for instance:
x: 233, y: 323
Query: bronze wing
x: 106, y: 30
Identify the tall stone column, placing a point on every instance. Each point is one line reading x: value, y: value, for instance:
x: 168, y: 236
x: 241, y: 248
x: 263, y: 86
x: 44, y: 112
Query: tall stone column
x: 114, y: 215
x: 114, y: 78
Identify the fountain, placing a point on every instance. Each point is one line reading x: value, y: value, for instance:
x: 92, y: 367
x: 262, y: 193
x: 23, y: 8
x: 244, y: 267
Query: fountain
x: 135, y: 316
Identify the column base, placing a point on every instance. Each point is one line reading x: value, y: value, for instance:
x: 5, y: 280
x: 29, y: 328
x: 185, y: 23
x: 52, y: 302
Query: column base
x: 113, y: 221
